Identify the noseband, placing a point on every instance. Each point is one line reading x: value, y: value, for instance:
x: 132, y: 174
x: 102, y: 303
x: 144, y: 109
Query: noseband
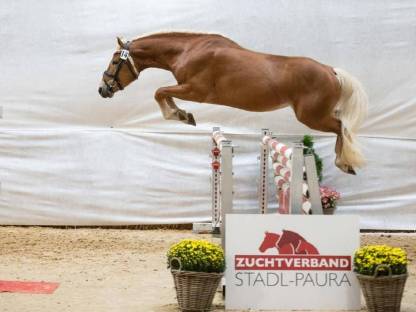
x: 125, y: 58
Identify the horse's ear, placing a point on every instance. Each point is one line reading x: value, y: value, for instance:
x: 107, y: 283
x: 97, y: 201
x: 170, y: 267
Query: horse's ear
x: 120, y: 42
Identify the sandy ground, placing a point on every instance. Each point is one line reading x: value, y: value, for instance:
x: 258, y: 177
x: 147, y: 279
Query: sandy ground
x: 115, y: 270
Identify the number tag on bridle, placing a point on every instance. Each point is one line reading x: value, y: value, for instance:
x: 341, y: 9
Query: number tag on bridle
x: 124, y: 54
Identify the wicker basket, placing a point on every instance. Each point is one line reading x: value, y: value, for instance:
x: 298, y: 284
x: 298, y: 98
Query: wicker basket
x: 195, y: 290
x: 382, y: 293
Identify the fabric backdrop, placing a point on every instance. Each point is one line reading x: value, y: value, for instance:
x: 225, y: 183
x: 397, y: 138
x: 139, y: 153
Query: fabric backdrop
x: 69, y: 157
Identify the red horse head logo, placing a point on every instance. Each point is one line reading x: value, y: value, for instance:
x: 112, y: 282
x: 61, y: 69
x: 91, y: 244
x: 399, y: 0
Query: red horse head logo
x: 288, y: 243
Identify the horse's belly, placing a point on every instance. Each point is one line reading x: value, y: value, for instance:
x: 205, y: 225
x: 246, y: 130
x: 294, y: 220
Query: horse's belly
x: 249, y: 101
x: 259, y: 107
x: 250, y: 89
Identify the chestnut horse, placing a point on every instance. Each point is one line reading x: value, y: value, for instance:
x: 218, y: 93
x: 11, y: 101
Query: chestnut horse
x: 210, y: 68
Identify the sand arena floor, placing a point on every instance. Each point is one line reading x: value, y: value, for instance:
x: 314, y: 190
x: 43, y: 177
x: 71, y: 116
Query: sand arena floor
x: 115, y: 270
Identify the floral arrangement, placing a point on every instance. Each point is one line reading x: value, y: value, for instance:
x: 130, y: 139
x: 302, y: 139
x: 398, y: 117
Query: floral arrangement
x: 196, y: 255
x: 367, y: 258
x: 329, y: 197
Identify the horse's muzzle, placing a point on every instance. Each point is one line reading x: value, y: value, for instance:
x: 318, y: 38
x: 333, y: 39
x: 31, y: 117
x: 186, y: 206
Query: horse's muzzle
x: 104, y: 92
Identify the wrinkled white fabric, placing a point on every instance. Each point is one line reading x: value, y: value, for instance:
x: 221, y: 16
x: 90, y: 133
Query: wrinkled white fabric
x: 69, y: 157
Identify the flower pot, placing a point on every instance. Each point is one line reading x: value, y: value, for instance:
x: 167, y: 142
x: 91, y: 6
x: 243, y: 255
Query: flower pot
x: 328, y: 211
x: 195, y: 291
x: 382, y: 293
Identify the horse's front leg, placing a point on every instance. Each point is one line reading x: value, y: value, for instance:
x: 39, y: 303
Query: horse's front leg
x: 171, y: 112
x: 168, y: 107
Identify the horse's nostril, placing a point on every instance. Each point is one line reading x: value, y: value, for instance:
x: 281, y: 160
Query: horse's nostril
x: 100, y: 89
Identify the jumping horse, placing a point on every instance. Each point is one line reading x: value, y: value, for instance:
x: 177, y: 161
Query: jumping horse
x: 210, y: 68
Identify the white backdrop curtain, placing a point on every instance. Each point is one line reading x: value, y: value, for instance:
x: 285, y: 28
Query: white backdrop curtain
x: 69, y: 157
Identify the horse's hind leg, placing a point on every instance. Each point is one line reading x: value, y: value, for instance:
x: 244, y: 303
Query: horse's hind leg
x: 168, y: 107
x: 332, y: 124
x: 327, y: 122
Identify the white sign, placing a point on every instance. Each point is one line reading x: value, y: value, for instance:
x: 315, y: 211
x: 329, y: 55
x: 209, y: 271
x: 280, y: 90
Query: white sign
x: 291, y: 262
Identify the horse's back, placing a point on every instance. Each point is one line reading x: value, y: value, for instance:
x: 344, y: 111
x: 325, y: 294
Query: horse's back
x: 234, y: 76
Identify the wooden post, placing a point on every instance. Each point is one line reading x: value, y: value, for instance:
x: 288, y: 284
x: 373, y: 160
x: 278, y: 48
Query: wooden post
x: 296, y: 180
x: 226, y: 191
x: 313, y: 185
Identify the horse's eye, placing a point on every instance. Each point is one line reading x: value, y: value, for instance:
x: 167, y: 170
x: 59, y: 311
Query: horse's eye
x: 114, y: 62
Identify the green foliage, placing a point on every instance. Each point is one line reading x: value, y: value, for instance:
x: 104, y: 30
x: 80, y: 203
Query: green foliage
x: 308, y: 149
x: 367, y: 258
x: 308, y: 141
x: 197, y: 256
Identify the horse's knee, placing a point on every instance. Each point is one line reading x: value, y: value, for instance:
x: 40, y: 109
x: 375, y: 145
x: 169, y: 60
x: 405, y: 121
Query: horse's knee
x: 159, y: 96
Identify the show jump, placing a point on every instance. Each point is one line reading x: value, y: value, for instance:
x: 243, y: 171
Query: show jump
x: 211, y: 68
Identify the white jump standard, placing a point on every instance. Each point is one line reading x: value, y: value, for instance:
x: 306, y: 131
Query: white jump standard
x: 222, y: 181
x: 222, y: 153
x: 294, y: 195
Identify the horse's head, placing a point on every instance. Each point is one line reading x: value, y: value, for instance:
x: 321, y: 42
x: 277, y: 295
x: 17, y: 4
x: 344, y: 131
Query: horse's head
x: 270, y: 240
x: 120, y: 72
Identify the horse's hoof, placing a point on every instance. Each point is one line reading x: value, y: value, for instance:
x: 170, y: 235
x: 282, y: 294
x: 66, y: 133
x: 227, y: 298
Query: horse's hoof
x: 351, y: 171
x: 345, y: 168
x: 182, y: 117
x: 191, y: 120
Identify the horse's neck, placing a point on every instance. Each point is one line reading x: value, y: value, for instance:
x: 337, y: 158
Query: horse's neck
x: 157, y: 52
x: 163, y: 50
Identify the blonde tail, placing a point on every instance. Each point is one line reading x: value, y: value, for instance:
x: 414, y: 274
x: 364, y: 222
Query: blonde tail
x: 351, y: 110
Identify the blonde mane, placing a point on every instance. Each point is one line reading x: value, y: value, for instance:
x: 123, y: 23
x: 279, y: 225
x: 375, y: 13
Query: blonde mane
x: 162, y: 32
x: 185, y: 32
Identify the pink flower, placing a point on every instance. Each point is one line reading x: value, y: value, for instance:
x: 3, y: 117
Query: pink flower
x: 329, y: 197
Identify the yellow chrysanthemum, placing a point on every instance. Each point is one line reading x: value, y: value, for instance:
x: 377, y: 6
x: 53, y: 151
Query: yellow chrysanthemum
x: 368, y: 258
x: 197, y: 255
